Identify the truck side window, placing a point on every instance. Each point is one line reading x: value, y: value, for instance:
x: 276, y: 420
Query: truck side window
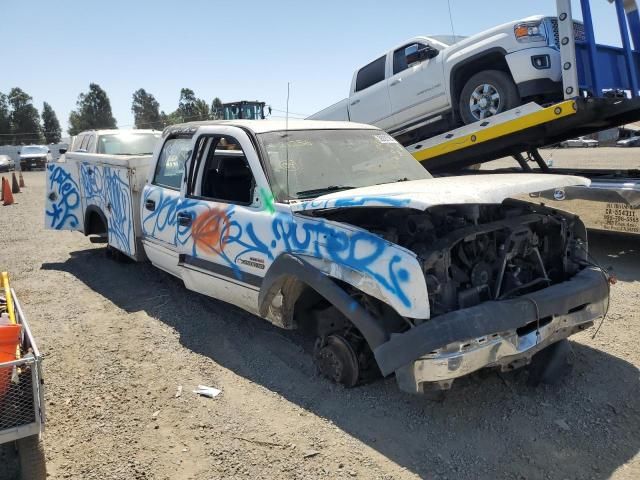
x: 77, y: 143
x: 225, y: 173
x: 406, y: 56
x: 371, y: 74
x: 91, y: 143
x: 85, y: 141
x: 170, y: 167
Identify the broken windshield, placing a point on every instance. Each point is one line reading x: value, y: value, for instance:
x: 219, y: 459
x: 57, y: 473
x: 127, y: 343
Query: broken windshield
x: 321, y: 161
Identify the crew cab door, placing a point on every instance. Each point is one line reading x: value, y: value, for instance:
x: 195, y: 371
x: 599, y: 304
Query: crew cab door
x: 416, y: 86
x: 221, y: 219
x: 369, y: 100
x: 63, y: 206
x: 160, y: 200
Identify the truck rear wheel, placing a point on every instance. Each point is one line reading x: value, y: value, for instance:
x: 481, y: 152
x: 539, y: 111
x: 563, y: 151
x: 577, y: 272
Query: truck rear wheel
x: 486, y: 94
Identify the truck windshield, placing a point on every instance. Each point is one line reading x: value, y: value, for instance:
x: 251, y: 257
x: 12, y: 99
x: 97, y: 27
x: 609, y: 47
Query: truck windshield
x: 34, y: 150
x: 128, y: 143
x: 324, y: 161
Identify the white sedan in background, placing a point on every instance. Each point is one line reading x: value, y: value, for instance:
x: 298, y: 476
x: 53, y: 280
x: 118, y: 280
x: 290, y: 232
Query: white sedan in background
x: 580, y: 142
x: 6, y: 163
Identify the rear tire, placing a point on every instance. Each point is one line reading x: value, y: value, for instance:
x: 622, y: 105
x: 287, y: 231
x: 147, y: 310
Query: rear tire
x: 486, y: 94
x: 32, y: 460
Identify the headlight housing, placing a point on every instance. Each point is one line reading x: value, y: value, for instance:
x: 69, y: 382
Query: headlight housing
x: 530, y: 32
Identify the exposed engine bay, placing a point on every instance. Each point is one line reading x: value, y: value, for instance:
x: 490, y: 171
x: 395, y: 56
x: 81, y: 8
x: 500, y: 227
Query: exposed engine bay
x: 474, y: 253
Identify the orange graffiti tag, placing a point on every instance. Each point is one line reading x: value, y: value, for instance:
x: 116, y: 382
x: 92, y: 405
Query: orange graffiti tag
x: 210, y: 230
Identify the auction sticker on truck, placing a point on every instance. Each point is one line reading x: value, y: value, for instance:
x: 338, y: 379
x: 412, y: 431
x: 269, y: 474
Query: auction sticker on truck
x: 620, y: 217
x: 601, y: 209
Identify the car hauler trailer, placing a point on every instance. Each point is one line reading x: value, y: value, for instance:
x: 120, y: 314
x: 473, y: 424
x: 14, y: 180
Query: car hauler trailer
x: 601, y: 91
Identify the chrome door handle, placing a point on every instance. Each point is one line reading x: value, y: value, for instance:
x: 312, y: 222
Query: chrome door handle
x: 395, y: 82
x: 355, y: 102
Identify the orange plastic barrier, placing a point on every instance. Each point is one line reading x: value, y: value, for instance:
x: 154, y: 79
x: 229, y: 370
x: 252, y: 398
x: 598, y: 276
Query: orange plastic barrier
x: 9, y: 342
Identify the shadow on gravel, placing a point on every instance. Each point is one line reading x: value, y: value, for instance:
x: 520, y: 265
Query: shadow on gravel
x: 487, y: 426
x: 618, y: 253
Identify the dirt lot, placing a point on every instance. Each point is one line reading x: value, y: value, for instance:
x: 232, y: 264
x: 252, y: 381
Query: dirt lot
x: 598, y: 158
x: 121, y: 338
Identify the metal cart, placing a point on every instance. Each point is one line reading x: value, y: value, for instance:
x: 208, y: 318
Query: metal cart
x: 22, y: 413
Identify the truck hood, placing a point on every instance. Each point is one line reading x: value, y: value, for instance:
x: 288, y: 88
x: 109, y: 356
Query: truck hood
x: 423, y: 194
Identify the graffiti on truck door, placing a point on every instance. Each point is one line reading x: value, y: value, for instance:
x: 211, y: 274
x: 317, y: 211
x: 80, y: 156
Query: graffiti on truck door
x: 237, y: 237
x: 108, y: 189
x: 64, y: 199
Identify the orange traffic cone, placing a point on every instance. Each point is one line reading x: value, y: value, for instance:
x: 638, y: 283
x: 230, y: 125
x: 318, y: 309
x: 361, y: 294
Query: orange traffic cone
x: 15, y: 188
x: 7, y: 195
x: 21, y: 180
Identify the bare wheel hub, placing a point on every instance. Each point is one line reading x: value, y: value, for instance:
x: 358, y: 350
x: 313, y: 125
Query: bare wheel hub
x: 337, y: 360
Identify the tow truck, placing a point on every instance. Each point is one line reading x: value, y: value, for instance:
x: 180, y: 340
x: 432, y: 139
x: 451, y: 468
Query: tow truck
x: 600, y: 89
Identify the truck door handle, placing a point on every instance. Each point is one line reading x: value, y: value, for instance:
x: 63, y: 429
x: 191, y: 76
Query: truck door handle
x: 395, y: 82
x: 184, y: 219
x: 150, y: 205
x: 355, y: 102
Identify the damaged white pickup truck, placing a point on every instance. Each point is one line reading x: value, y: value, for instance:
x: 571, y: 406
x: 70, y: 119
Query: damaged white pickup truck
x: 334, y: 229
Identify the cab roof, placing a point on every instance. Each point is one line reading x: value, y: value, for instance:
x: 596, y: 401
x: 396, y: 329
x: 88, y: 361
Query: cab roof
x: 264, y: 126
x: 119, y: 131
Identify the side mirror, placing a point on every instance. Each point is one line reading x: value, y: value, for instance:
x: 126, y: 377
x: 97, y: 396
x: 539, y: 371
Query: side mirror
x: 48, y: 151
x: 428, y: 53
x: 18, y: 152
x: 62, y: 151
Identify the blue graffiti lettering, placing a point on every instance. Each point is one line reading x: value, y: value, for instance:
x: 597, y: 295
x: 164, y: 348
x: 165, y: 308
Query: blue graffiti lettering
x: 64, y: 199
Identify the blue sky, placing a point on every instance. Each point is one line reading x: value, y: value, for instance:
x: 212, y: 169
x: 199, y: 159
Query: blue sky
x: 234, y: 50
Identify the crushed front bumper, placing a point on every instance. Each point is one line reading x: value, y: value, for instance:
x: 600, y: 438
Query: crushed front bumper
x: 504, y: 334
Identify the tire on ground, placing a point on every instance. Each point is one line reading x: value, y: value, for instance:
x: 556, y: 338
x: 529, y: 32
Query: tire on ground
x: 501, y: 81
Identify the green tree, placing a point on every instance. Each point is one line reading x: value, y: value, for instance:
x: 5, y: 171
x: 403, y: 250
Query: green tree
x: 201, y: 110
x: 25, y: 119
x: 145, y: 110
x: 5, y: 120
x: 216, y: 109
x: 93, y: 111
x: 50, y: 124
x: 187, y: 104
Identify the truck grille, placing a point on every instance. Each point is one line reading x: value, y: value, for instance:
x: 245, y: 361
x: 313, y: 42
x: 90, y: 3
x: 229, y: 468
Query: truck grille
x: 578, y: 32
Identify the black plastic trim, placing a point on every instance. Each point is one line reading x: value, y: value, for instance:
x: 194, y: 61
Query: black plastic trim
x: 222, y: 270
x: 287, y: 266
x: 540, y: 86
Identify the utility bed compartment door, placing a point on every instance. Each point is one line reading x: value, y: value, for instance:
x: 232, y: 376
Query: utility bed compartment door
x: 63, y: 206
x: 108, y: 189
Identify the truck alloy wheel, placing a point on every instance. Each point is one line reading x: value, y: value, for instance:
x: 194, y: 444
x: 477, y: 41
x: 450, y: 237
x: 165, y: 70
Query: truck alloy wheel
x: 486, y: 94
x: 336, y: 360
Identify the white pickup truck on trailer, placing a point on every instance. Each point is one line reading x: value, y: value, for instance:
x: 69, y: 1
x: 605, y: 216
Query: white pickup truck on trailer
x: 428, y: 85
x: 333, y: 228
x: 420, y: 91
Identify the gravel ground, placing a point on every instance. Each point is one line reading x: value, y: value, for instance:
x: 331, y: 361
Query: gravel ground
x: 121, y: 339
x: 595, y: 158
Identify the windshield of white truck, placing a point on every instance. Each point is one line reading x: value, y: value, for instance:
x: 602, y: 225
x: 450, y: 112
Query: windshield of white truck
x: 315, y: 162
x: 128, y: 144
x: 34, y: 150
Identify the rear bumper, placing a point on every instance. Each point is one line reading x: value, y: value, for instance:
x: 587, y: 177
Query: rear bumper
x: 502, y: 334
